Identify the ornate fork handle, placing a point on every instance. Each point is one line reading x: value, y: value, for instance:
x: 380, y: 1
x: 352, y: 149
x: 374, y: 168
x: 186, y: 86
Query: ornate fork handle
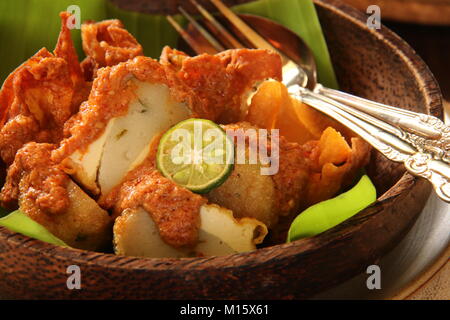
x: 426, y: 133
x: 395, y: 148
x: 440, y: 149
x: 435, y: 171
x: 422, y: 165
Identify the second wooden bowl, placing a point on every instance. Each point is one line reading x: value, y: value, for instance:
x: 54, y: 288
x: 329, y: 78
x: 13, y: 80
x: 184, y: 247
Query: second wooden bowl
x: 374, y: 64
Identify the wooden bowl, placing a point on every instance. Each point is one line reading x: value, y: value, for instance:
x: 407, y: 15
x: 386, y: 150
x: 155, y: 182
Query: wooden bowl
x: 375, y: 64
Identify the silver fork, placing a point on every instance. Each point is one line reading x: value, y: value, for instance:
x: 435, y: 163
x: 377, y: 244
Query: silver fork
x: 421, y: 142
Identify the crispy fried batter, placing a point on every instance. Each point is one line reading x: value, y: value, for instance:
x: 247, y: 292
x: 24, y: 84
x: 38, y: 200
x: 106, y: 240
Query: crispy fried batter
x: 335, y: 164
x: 107, y: 43
x: 39, y: 101
x: 66, y: 50
x: 216, y: 87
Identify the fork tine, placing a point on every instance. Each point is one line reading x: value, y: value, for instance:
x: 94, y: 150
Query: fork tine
x: 252, y: 36
x: 191, y: 41
x: 202, y: 30
x: 232, y: 41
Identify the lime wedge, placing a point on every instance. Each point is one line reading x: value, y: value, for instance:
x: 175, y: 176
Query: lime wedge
x: 196, y: 154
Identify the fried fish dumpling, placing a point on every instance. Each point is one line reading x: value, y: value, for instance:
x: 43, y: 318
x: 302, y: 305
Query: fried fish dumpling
x: 83, y: 225
x: 130, y: 105
x: 135, y: 234
x: 44, y: 192
x: 249, y: 193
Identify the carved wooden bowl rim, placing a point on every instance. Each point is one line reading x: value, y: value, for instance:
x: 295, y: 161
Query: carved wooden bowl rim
x: 433, y: 99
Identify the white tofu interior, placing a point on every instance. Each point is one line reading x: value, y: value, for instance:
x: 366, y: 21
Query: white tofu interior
x: 87, y: 163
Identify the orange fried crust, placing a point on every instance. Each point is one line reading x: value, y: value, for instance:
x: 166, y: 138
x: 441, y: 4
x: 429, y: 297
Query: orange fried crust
x: 66, y: 50
x: 107, y: 43
x: 216, y: 87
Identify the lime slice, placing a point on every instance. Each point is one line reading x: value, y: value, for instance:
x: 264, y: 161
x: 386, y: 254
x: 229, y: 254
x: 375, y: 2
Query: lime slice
x: 196, y: 154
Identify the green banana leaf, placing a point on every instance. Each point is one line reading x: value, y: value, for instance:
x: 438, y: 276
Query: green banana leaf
x: 28, y: 25
x: 18, y: 221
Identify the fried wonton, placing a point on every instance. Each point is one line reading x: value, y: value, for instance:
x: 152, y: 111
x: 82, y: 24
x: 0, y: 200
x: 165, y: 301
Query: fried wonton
x: 106, y: 43
x: 272, y: 107
x: 217, y: 86
x: 40, y: 96
x: 335, y: 164
x: 324, y: 141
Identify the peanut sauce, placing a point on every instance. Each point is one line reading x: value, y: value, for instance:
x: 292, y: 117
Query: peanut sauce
x: 36, y: 182
x: 174, y: 209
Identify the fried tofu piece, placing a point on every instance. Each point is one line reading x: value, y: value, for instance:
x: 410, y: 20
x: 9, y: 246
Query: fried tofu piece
x: 106, y: 43
x: 217, y: 87
x: 130, y: 104
x: 135, y: 234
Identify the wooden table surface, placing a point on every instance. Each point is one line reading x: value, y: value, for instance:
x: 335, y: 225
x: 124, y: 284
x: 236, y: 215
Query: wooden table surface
x: 432, y: 43
x: 436, y: 288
